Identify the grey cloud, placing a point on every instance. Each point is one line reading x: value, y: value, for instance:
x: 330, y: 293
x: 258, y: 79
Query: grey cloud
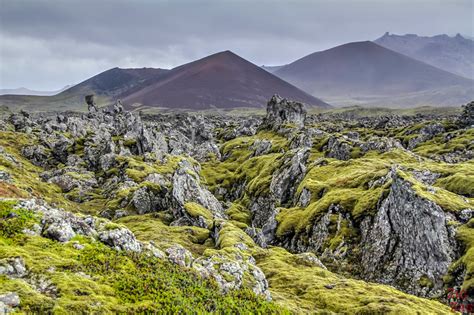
x: 47, y: 44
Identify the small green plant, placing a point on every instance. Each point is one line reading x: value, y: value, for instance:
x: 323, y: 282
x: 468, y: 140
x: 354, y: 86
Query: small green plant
x: 13, y: 221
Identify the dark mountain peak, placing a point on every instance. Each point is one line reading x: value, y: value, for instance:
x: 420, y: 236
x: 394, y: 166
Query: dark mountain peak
x: 362, y: 45
x: 365, y: 69
x: 229, y: 53
x: 223, y: 80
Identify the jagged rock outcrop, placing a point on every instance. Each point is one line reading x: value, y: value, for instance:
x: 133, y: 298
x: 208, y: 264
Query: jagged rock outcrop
x: 187, y: 188
x: 289, y: 175
x: 62, y: 226
x: 409, y: 243
x: 338, y: 149
x: 261, y: 147
x: 91, y: 106
x: 318, y: 233
x: 281, y: 193
x: 280, y: 111
x: 466, y: 119
x: 426, y: 133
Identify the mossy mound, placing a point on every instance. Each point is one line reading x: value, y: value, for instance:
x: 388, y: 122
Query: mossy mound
x: 310, y: 289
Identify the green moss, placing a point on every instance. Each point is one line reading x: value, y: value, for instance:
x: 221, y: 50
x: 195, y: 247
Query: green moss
x: 98, y: 279
x: 460, y: 140
x: 240, y: 166
x: 465, y: 234
x: 195, y: 210
x: 151, y: 227
x: 13, y: 221
x: 230, y: 235
x: 112, y: 226
x: 303, y: 289
x: 25, y: 175
x: 445, y: 199
x: 32, y: 301
x: 129, y: 142
x: 461, y: 184
x: 238, y: 212
x: 343, y: 183
x: 137, y: 169
x: 425, y: 281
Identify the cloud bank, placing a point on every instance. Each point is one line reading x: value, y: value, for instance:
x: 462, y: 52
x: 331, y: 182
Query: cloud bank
x: 46, y: 44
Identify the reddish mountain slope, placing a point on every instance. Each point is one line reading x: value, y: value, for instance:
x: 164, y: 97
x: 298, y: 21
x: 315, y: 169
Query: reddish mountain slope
x: 222, y: 80
x: 366, y: 69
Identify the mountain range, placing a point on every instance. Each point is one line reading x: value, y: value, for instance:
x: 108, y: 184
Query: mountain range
x: 393, y: 71
x: 25, y: 91
x: 454, y: 54
x: 221, y: 80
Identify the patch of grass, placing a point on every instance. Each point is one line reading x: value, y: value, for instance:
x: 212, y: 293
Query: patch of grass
x: 117, y: 282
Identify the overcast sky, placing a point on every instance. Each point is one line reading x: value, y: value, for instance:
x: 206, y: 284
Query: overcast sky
x: 47, y: 44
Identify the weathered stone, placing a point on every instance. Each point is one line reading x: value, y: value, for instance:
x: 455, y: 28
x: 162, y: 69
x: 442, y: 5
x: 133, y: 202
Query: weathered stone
x: 466, y: 119
x: 10, y: 299
x: 409, y: 240
x: 338, y: 148
x: 286, y: 179
x: 280, y: 112
x: 5, y: 177
x: 230, y: 274
x: 142, y: 201
x: 187, y: 188
x: 13, y: 267
x: 91, y: 106
x: 150, y: 249
x: 309, y: 259
x: 120, y: 239
x: 426, y: 133
x: 180, y: 256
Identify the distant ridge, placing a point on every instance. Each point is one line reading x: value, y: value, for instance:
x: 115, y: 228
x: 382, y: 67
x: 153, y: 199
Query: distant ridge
x: 370, y: 73
x: 454, y: 54
x: 115, y: 82
x: 26, y: 91
x: 222, y: 80
x: 272, y: 69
